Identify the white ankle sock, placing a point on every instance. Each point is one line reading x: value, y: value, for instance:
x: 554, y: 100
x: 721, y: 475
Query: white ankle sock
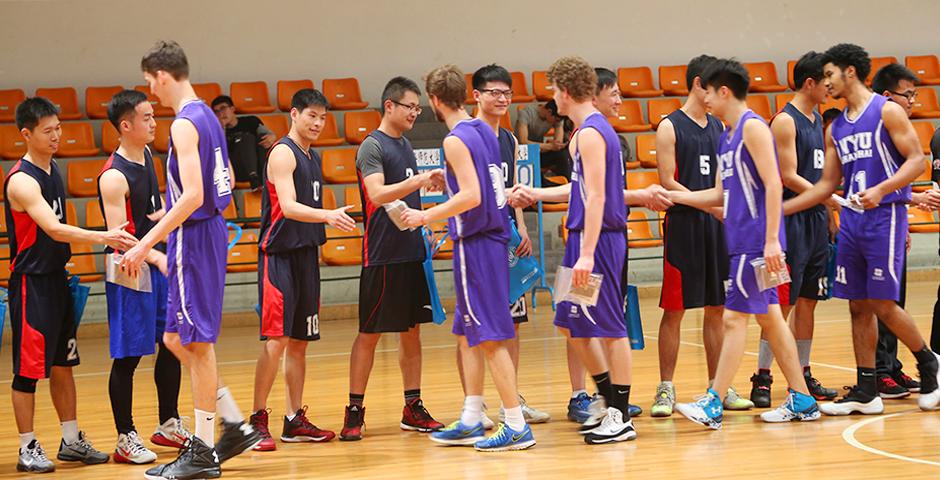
x: 26, y: 439
x: 514, y: 418
x: 70, y: 431
x: 205, y: 427
x: 472, y: 413
x: 575, y: 393
x: 226, y: 406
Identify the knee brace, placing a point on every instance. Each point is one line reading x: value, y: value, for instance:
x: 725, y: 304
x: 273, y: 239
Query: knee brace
x: 23, y: 384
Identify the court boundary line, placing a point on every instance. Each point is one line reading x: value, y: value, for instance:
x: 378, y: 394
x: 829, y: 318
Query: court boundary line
x: 849, y: 436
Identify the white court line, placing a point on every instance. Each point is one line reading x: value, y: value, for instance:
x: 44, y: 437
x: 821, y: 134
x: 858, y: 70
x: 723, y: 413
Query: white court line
x: 849, y: 436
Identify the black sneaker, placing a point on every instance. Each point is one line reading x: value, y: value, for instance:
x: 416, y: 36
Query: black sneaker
x: 816, y: 389
x: 353, y: 423
x: 888, y: 388
x: 196, y: 460
x: 905, y: 381
x: 856, y: 401
x: 236, y: 438
x: 760, y: 389
x: 81, y: 451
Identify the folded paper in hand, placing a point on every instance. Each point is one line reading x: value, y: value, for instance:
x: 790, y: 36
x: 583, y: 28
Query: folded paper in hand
x: 566, y: 292
x: 114, y: 274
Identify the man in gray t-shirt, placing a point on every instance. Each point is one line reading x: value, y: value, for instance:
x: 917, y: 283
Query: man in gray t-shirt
x: 533, y: 123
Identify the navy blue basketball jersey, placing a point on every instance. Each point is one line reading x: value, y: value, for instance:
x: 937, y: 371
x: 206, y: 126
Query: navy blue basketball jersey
x: 32, y: 251
x: 280, y: 234
x: 696, y: 146
x: 810, y: 149
x: 143, y: 190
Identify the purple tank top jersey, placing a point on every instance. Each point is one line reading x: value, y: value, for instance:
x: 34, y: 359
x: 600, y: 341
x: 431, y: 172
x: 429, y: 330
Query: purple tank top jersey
x: 745, y: 210
x: 866, y: 151
x: 615, y: 211
x: 213, y: 159
x: 489, y: 217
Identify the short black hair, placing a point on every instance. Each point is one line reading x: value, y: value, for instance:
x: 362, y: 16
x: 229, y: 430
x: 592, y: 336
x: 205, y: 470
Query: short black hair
x: 222, y: 100
x: 395, y: 89
x: 846, y: 55
x: 830, y: 115
x: 490, y: 73
x: 889, y: 76
x: 727, y: 72
x: 696, y: 67
x: 810, y: 65
x: 308, y: 97
x: 605, y: 78
x: 166, y: 55
x: 30, y: 111
x: 123, y: 104
x: 553, y: 107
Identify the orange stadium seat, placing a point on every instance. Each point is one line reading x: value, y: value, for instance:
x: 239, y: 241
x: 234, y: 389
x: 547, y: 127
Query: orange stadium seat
x: 925, y: 104
x: 207, y: 91
x: 923, y: 181
x: 541, y: 86
x: 4, y: 261
x: 791, y: 65
x: 646, y: 150
x: 286, y: 90
x: 926, y: 67
x: 161, y: 173
x: 520, y: 91
x: 65, y: 98
x: 876, y: 64
x: 782, y: 99
x: 764, y: 77
x: 329, y: 199
x: 629, y: 118
x: 97, y: 100
x: 563, y: 229
x: 760, y: 104
x: 9, y: 99
x: 3, y: 229
x: 639, y: 233
x: 251, y: 97
x: 93, y: 216
x: 921, y: 221
x: 351, y: 197
x: 672, y: 80
x: 161, y: 139
x: 641, y: 180
x: 110, y: 139
x: 468, y: 79
x: 358, y: 125
x: 71, y: 213
x: 836, y: 103
x: 158, y: 110
x: 278, y: 124
x: 12, y: 143
x: 637, y: 82
x: 339, y: 165
x: 925, y: 132
x: 659, y: 108
x: 243, y: 257
x: 252, y: 203
x: 3, y: 175
x: 343, y: 94
x: 342, y: 248
x: 82, y: 177
x: 329, y: 135
x: 77, y: 140
x: 83, y: 264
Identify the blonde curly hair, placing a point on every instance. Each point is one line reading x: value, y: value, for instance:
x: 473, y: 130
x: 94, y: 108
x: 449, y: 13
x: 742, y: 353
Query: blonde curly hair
x: 448, y: 84
x: 575, y: 76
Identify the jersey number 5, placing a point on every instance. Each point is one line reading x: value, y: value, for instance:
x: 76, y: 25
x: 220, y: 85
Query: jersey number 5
x: 704, y: 164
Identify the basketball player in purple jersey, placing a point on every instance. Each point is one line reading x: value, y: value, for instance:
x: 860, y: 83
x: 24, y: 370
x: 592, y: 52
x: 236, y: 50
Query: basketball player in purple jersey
x: 750, y: 188
x: 876, y: 147
x: 479, y: 225
x: 198, y: 190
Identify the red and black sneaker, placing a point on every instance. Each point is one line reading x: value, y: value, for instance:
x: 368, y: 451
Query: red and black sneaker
x: 907, y: 382
x: 353, y: 423
x: 301, y: 430
x: 888, y: 388
x: 259, y: 421
x: 415, y: 418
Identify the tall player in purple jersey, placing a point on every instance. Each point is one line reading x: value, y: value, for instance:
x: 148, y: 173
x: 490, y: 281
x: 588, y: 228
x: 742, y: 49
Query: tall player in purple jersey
x: 751, y: 190
x: 876, y: 147
x: 479, y: 225
x: 198, y: 190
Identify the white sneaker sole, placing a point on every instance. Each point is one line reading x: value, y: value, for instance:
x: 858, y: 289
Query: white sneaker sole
x: 515, y: 446
x: 874, y: 407
x: 302, y: 439
x: 796, y: 418
x: 624, y: 437
x: 930, y: 401
x: 463, y: 442
x: 712, y: 425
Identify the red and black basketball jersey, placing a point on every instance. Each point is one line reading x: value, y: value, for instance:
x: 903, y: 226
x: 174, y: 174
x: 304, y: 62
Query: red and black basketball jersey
x: 32, y: 250
x: 280, y: 234
x: 143, y: 196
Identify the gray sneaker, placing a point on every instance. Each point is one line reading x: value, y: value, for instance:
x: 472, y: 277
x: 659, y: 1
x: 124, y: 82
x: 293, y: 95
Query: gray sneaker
x: 665, y: 400
x: 81, y: 451
x: 733, y: 401
x: 530, y: 414
x: 33, y: 459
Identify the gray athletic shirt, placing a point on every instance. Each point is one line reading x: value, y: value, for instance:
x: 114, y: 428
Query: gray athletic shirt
x: 537, y: 127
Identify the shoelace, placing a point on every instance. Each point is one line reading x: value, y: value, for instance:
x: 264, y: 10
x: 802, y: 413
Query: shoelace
x: 421, y: 413
x: 83, y: 442
x: 889, y: 382
x: 703, y: 400
x: 37, y: 453
x: 262, y: 427
x: 906, y: 378
x: 663, y: 395
x: 181, y: 429
x: 353, y: 418
x: 136, y: 446
x: 500, y: 432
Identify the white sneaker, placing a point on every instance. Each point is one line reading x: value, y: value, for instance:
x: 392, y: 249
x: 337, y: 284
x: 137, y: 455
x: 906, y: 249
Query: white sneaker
x: 597, y: 410
x: 931, y: 400
x: 787, y: 413
x: 33, y: 459
x: 488, y: 423
x: 530, y: 414
x: 172, y: 433
x: 611, y: 429
x: 854, y: 401
x: 130, y: 449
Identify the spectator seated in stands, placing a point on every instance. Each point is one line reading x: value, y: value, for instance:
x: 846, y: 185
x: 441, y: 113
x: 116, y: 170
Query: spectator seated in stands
x: 533, y: 123
x: 248, y: 141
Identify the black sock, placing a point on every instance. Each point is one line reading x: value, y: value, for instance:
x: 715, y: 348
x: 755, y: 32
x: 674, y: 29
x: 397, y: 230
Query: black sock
x: 166, y: 376
x: 924, y: 356
x: 867, y: 381
x: 121, y: 391
x: 356, y: 399
x: 763, y: 371
x: 412, y: 395
x: 620, y: 399
x: 807, y: 372
x: 602, y: 380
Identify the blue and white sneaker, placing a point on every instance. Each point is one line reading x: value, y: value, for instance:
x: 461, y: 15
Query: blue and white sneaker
x: 797, y: 407
x: 578, y: 408
x: 506, y: 439
x: 459, y: 434
x: 706, y: 410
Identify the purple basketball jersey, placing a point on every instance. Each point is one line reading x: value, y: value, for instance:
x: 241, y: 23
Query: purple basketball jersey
x: 489, y: 217
x: 745, y: 210
x: 213, y: 159
x: 866, y: 151
x: 615, y: 211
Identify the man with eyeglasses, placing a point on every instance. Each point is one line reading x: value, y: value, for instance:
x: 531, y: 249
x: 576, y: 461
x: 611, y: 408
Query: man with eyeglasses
x: 248, y: 141
x: 533, y: 124
x: 393, y: 292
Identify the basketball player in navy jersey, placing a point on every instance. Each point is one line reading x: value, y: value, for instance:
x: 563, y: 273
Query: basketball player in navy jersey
x: 874, y: 148
x: 292, y: 218
x: 198, y: 190
x: 41, y: 316
x: 129, y: 193
x: 798, y: 133
x: 750, y: 188
x: 478, y: 223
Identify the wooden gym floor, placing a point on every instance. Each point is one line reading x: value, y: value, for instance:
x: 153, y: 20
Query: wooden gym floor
x: 904, y: 442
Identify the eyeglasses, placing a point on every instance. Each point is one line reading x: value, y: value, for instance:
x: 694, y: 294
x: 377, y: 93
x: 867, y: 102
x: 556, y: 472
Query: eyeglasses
x: 498, y: 93
x: 411, y: 108
x: 910, y: 94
